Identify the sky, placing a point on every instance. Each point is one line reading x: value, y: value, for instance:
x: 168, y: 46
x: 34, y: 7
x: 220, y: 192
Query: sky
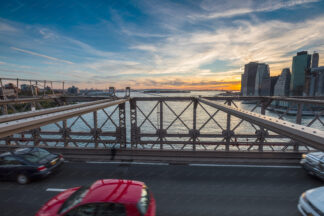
x: 144, y: 44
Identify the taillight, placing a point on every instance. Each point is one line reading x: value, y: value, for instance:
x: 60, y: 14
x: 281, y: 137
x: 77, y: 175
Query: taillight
x: 41, y: 168
x: 60, y: 156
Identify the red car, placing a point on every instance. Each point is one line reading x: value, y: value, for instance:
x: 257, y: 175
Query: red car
x: 106, y: 197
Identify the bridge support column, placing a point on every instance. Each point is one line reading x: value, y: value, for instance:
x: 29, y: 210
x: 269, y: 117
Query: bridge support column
x: 262, y: 132
x: 194, y: 124
x: 36, y: 136
x: 65, y: 133
x: 122, y: 126
x: 134, y: 128
x: 228, y: 128
x: 95, y: 129
x: 299, y: 116
x: 162, y: 135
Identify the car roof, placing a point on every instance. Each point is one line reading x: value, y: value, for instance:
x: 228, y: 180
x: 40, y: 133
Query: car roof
x: 5, y: 154
x: 114, y: 190
x: 19, y: 151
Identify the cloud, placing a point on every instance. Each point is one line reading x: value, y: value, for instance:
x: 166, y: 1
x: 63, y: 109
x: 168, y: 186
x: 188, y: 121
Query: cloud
x: 19, y: 71
x: 7, y: 28
x: 265, y: 7
x: 144, y: 47
x: 41, y: 55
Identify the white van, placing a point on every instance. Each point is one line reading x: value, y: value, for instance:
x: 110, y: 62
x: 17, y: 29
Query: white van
x: 311, y: 202
x: 313, y: 163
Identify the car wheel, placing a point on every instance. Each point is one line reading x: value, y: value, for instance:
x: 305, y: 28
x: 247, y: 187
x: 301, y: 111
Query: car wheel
x: 22, y: 179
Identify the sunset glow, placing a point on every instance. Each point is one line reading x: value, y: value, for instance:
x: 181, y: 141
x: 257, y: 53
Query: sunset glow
x: 197, y: 45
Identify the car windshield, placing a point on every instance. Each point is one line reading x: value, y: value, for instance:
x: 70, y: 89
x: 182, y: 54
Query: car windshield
x: 74, y: 199
x: 35, y: 155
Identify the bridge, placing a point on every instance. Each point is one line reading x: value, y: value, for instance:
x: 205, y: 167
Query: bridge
x: 128, y: 135
x: 178, y: 129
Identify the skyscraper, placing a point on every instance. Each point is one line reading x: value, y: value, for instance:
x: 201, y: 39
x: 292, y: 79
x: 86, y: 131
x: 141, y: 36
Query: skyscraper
x: 273, y: 82
x: 282, y: 86
x: 262, y: 80
x: 301, y: 62
x: 315, y: 58
x: 248, y: 79
x: 317, y: 82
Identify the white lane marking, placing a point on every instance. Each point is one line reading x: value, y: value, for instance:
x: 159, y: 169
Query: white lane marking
x: 249, y: 166
x: 122, y: 162
x: 55, y: 189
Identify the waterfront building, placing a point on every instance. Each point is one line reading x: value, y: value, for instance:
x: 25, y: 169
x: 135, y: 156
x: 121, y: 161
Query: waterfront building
x: 262, y: 80
x: 315, y: 58
x: 273, y: 81
x: 316, y: 87
x: 282, y: 86
x: 301, y: 62
x: 248, y: 79
x: 73, y: 90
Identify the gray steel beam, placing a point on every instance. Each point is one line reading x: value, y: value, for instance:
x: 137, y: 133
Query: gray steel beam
x: 28, y: 100
x: 306, y: 135
x: 12, y: 127
x: 23, y: 115
x: 307, y: 100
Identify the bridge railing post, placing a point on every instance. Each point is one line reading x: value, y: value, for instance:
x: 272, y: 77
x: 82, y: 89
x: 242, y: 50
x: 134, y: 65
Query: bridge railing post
x: 133, y: 119
x: 262, y: 133
x: 64, y: 133
x: 228, y: 128
x: 299, y: 116
x: 95, y: 129
x: 36, y: 136
x: 194, y: 123
x: 122, y: 125
x: 161, y: 134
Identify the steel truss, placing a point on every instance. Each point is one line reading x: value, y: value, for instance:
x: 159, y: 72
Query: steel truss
x: 166, y: 123
x: 229, y: 137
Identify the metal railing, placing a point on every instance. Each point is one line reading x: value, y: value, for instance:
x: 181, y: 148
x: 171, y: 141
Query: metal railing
x: 171, y: 124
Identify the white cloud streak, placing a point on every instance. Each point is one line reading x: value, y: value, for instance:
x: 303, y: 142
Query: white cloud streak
x: 267, y: 7
x: 41, y: 55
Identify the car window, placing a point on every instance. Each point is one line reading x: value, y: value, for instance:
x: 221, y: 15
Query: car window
x: 108, y: 209
x: 9, y: 160
x: 74, y: 199
x: 30, y: 158
x: 84, y: 210
x: 40, y: 153
x: 35, y: 155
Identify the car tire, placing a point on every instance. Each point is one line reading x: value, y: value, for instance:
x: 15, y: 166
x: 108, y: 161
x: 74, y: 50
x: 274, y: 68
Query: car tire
x: 22, y: 179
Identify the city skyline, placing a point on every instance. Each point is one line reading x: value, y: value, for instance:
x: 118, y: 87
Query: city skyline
x: 147, y: 44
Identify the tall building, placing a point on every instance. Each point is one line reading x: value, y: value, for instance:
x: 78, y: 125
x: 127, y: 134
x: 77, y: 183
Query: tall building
x: 301, y: 62
x: 315, y: 58
x: 273, y: 81
x: 248, y: 79
x: 282, y: 86
x: 262, y: 80
x: 316, y: 82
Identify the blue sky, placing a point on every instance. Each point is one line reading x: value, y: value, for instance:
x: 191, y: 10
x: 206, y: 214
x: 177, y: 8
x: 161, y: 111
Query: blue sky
x: 162, y: 44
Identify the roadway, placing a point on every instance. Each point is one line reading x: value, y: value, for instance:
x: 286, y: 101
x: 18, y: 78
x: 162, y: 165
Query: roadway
x: 178, y: 189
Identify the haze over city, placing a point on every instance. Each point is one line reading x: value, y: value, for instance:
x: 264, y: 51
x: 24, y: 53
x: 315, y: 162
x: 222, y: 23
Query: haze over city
x: 155, y: 44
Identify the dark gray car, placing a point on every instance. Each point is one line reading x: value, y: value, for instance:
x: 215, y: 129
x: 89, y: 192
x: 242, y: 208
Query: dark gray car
x: 25, y: 164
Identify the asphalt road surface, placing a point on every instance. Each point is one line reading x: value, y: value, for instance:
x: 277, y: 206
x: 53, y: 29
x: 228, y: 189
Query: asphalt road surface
x: 178, y: 189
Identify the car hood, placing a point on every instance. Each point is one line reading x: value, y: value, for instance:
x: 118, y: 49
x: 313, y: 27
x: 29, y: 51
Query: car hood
x: 53, y: 205
x: 316, y: 197
x: 317, y: 155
